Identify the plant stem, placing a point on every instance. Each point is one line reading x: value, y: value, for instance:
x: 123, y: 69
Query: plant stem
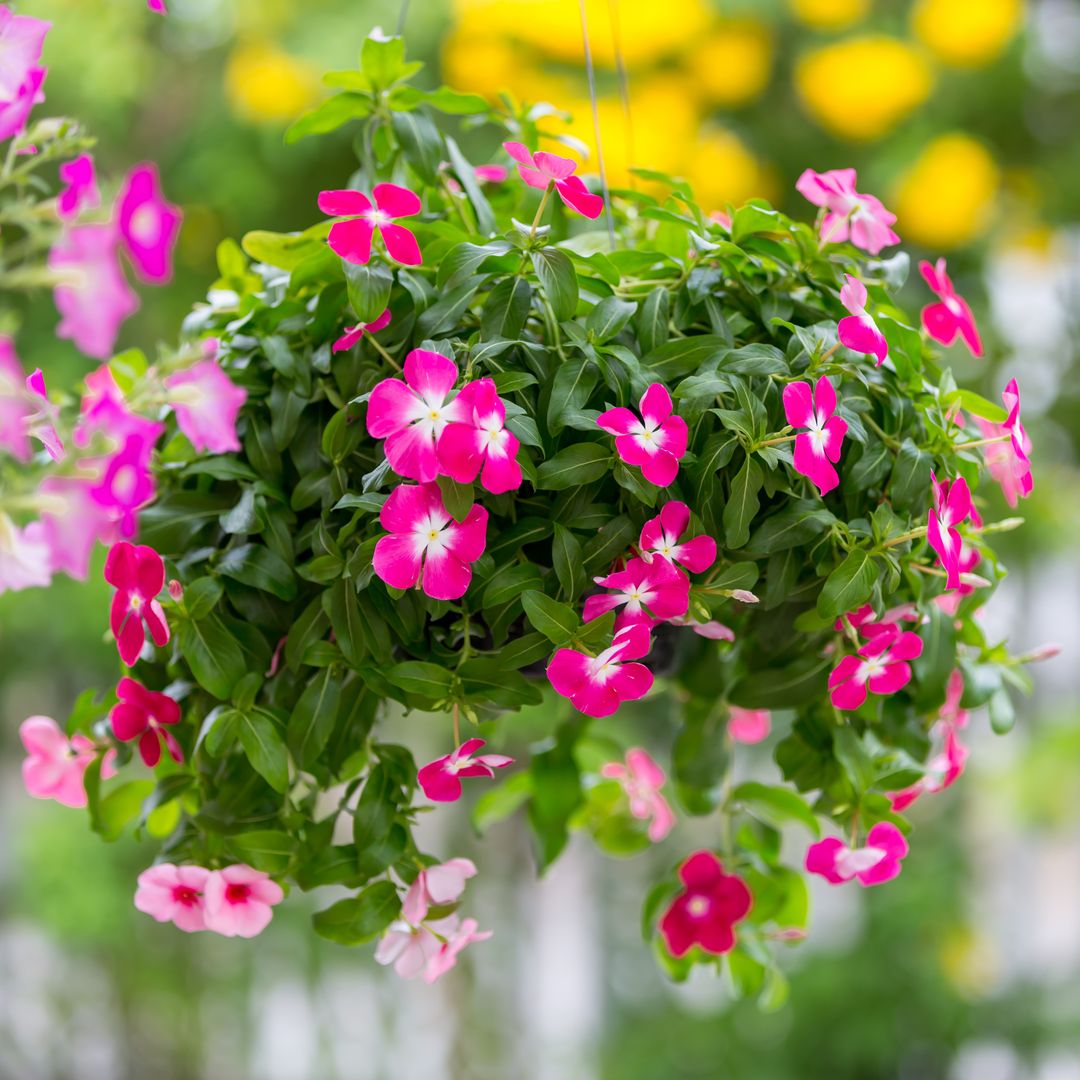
x: 540, y: 209
x: 777, y: 441
x: 888, y: 440
x: 456, y: 712
x: 383, y: 353
x: 915, y: 533
x: 828, y: 352
x: 981, y: 442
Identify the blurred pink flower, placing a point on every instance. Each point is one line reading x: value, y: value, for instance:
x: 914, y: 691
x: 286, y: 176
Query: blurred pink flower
x: 749, y: 725
x: 440, y: 780
x: 952, y: 505
x: 409, y: 948
x: 148, y: 224
x: 706, y: 910
x: 206, y: 403
x: 146, y: 715
x: 175, y: 894
x: 72, y: 523
x: 849, y: 214
x: 642, y: 779
x: 1008, y: 460
x: 25, y: 562
x: 436, y: 886
x: 126, y: 484
x: 950, y: 315
x: 157, y: 6
x: 55, y: 765
x: 239, y: 901
x: 877, y: 862
x: 449, y: 950
x: 81, y: 192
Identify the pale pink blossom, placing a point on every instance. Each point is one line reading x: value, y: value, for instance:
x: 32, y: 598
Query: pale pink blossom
x: 440, y: 780
x: 598, y: 685
x: 72, y: 523
x: 81, y: 189
x: 749, y: 725
x: 950, y: 315
x: 542, y: 169
x: 707, y: 909
x: 1008, y: 459
x: 656, y: 441
x: 353, y: 335
x: 148, y: 224
x: 239, y: 901
x: 55, y: 764
x: 449, y: 950
x: 876, y: 862
x: 206, y: 403
x: 175, y: 894
x: 14, y: 408
x: 661, y: 536
x: 849, y: 214
x: 642, y: 780
x: 646, y: 593
x: 22, y: 38
x: 436, y: 886
x: 480, y: 444
x: 146, y: 715
x: 952, y: 505
x: 491, y: 174
x: 17, y: 104
x: 818, y: 448
x: 138, y: 575
x: 25, y: 561
x: 858, y: 331
x: 713, y: 630
x: 351, y: 238
x: 881, y: 665
x: 409, y: 948
x: 104, y: 411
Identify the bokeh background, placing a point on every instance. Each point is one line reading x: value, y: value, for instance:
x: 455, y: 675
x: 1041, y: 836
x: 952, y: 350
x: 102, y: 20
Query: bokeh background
x: 963, y: 116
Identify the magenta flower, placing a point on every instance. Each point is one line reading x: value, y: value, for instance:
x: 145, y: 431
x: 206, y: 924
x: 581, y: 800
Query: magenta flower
x: 25, y: 559
x: 449, y: 950
x: 412, y: 415
x: 491, y: 174
x: 542, y: 169
x: 351, y: 239
x: 157, y: 6
x: 849, y: 215
x: 355, y: 333
x: 138, y: 575
x: 15, y: 109
x: 426, y: 544
x: 440, y: 779
x: 881, y: 665
x: 642, y: 779
x: 41, y: 421
x: 22, y: 38
x: 55, y: 765
x: 942, y: 770
x: 598, y: 685
x: 660, y: 536
x: 81, y: 192
x: 239, y: 901
x: 436, y: 886
x: 206, y: 403
x: 858, y: 331
x: 656, y: 442
x: 865, y: 621
x: 952, y: 505
x: 13, y: 405
x: 148, y: 224
x: 175, y: 894
x: 950, y: 315
x: 707, y: 909
x: 126, y: 484
x: 94, y: 297
x: 748, y: 726
x: 646, y: 592
x: 480, y: 443
x: 146, y: 715
x: 1008, y: 461
x: 877, y: 862
x: 817, y: 448
x: 72, y: 523
x: 968, y: 559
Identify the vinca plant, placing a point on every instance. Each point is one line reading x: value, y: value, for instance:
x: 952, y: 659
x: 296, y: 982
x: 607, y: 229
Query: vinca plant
x: 653, y: 478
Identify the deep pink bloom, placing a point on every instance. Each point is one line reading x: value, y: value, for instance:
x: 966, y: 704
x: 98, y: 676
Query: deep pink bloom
x: 25, y: 560
x: 175, y: 894
x: 355, y: 333
x: 1008, y: 461
x: 943, y: 769
x: 950, y: 315
x: 146, y: 715
x: 656, y: 442
x: 969, y: 558
x: 881, y: 665
x: 849, y: 214
x: 646, y: 592
x: 55, y: 765
x: 412, y: 415
x: 426, y: 544
x: 858, y: 331
x: 749, y: 725
x: 865, y: 621
x: 440, y: 779
x: 480, y: 443
x: 81, y: 192
x: 707, y: 909
x: 952, y: 505
x: 541, y: 169
x: 641, y: 778
x: 660, y: 536
x: 409, y: 948
x: 239, y: 901
x: 138, y: 575
x: 598, y: 685
x: 443, y: 960
x: 126, y: 484
x: 491, y: 174
x: 206, y: 403
x: 877, y: 862
x: 148, y: 224
x: 351, y: 239
x: 18, y: 102
x: 157, y: 6
x: 436, y: 886
x: 818, y: 448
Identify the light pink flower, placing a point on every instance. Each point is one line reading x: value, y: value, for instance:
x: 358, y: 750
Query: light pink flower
x: 81, y: 191
x: 22, y: 38
x: 1008, y: 461
x: 646, y: 592
x: 598, y: 685
x: 175, y: 894
x: 877, y: 862
x: 641, y: 778
x: 449, y: 950
x: 818, y: 448
x: 15, y: 109
x: 55, y: 765
x: 206, y: 403
x: 25, y: 560
x: 656, y: 442
x: 849, y: 214
x: 881, y: 665
x: 660, y: 536
x: 491, y: 174
x: 103, y: 410
x: 436, y: 886
x: 950, y: 315
x: 480, y: 443
x: 706, y: 910
x: 412, y: 415
x: 148, y: 224
x: 355, y: 333
x: 138, y: 575
x: 541, y: 169
x: 426, y: 544
x: 713, y: 630
x: 72, y: 522
x: 749, y: 725
x: 858, y: 331
x: 952, y: 505
x: 239, y: 901
x: 14, y: 408
x: 351, y: 239
x: 440, y: 779
x: 126, y: 484
x: 146, y: 715
x: 409, y: 948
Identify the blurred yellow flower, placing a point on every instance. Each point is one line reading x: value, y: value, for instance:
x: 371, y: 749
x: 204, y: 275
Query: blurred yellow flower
x: 722, y: 169
x: 266, y: 85
x: 829, y: 14
x: 947, y: 197
x: 731, y: 66
x: 967, y: 32
x: 863, y: 87
x: 968, y: 960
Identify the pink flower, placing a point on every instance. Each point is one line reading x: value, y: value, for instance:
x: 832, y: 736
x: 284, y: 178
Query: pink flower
x: 355, y: 333
x: 13, y: 405
x: 880, y: 664
x: 21, y: 41
x: 206, y: 403
x: 126, y: 484
x: 25, y: 560
x: 951, y: 315
x: 443, y: 960
x: 175, y: 894
x: 707, y: 909
x: 412, y: 415
x: 19, y: 101
x: 239, y: 900
x: 641, y: 778
x: 969, y: 558
x: 72, y: 523
x: 656, y: 442
x: 138, y: 575
x: 426, y: 544
x: 480, y: 443
x: 440, y: 779
x: 858, y: 331
x: 646, y: 592
x: 103, y: 410
x: 749, y: 725
x: 541, y: 170
x: 157, y: 6
x: 713, y: 630
x: 436, y: 886
x: 865, y: 621
x: 598, y: 685
x: 1008, y: 461
x: 148, y: 224
x: 351, y: 239
x: 952, y: 505
x: 943, y: 769
x: 877, y: 862
x: 817, y: 448
x: 409, y: 948
x: 660, y: 536
x: 94, y: 297
x: 848, y: 214
x: 55, y: 765
x: 81, y: 192
x: 146, y: 715
x: 41, y: 421
x: 491, y: 174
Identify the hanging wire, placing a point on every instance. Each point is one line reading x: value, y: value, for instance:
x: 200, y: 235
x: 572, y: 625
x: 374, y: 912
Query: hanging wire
x: 624, y: 86
x: 402, y: 15
x: 590, y: 71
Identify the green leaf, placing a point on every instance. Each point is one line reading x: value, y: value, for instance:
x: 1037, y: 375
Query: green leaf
x: 653, y: 319
x: 800, y: 522
x: 557, y: 622
x: 369, y: 289
x: 700, y: 760
x: 382, y: 59
x: 418, y: 677
x: 682, y: 356
x: 487, y: 678
x: 909, y: 485
x: 775, y: 805
x: 849, y: 586
x: 313, y: 717
x: 485, y: 219
x: 567, y: 562
x: 608, y: 318
x: 284, y: 250
x: 742, y: 503
x: 269, y: 850
x: 574, y: 382
x: 506, y: 309
x: 359, y: 919
x: 333, y: 113
x: 578, y: 464
x: 213, y: 655
x: 556, y: 793
x: 509, y: 583
x: 784, y: 687
x: 457, y: 498
x: 977, y: 406
x: 421, y: 141
x: 755, y: 218
x: 558, y: 279
x: 264, y: 748
x: 260, y: 568
x: 120, y: 807
x: 201, y: 596
x: 340, y: 604
x: 500, y: 802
